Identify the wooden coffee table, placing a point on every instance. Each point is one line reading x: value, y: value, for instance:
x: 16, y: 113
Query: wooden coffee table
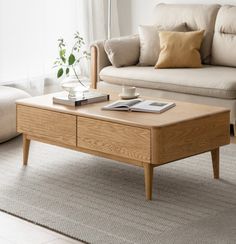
x: 142, y: 139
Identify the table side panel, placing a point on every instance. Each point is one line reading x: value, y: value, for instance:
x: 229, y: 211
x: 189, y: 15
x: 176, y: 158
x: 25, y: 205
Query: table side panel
x: 46, y: 124
x: 114, y: 139
x: 188, y: 138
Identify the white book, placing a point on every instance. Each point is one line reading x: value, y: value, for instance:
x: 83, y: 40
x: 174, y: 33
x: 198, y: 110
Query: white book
x: 140, y: 105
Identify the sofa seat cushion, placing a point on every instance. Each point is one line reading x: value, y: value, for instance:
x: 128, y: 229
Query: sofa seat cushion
x: 211, y: 81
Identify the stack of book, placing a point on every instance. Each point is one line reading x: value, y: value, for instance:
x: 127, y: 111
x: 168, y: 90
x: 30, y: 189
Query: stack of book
x: 87, y: 98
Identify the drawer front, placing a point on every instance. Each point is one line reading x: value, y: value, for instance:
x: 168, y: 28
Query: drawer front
x: 47, y: 125
x: 114, y: 139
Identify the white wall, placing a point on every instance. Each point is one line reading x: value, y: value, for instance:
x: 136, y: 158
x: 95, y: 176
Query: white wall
x: 125, y: 17
x: 140, y: 11
x: 30, y: 29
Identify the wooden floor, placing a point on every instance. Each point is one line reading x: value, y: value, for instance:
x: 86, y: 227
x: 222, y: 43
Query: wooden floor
x: 17, y: 231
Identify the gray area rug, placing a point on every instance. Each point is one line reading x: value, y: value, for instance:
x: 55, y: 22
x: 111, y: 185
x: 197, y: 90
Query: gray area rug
x: 100, y: 201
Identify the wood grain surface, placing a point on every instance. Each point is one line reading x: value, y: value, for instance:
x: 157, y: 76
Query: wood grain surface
x: 143, y: 139
x: 182, y: 112
x: 47, y: 124
x: 215, y: 155
x: 190, y: 137
x: 115, y: 139
x: 93, y: 68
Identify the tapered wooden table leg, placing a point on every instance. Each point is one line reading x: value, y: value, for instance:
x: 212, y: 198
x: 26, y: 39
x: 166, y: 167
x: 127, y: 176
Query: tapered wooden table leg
x: 148, y: 176
x: 215, y: 155
x: 234, y: 129
x: 26, y: 146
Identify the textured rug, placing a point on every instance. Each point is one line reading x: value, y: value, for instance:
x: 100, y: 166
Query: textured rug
x: 100, y: 201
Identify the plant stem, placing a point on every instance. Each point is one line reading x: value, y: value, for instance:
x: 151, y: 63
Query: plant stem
x: 78, y: 60
x: 77, y: 76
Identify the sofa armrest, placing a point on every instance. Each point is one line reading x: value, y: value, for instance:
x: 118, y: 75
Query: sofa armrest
x: 99, y: 60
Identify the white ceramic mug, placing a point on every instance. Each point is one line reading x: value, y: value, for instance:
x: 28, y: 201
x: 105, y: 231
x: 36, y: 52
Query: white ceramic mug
x: 128, y: 91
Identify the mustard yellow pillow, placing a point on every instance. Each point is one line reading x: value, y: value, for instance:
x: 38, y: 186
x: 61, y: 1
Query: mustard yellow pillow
x: 180, y: 49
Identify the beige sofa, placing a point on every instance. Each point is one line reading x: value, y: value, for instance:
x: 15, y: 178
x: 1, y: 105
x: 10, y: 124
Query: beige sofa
x: 214, y: 84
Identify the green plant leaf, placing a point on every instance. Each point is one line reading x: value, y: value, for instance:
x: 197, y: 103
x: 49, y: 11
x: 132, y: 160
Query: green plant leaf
x: 63, y: 59
x: 60, y: 72
x: 67, y: 71
x: 71, y: 59
x: 62, y: 52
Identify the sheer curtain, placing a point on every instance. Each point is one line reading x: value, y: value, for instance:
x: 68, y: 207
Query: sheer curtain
x: 29, y: 30
x: 94, y: 26
x: 95, y: 14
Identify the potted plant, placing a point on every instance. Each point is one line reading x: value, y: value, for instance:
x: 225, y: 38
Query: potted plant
x: 67, y: 64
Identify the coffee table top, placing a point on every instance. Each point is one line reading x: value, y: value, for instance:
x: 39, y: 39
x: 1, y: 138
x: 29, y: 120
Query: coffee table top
x: 181, y: 112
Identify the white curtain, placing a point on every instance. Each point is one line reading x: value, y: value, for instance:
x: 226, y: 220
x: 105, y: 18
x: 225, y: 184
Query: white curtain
x: 29, y: 30
x: 94, y: 26
x: 95, y: 14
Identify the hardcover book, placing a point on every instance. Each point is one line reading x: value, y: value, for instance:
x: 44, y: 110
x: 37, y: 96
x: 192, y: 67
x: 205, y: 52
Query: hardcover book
x: 89, y: 97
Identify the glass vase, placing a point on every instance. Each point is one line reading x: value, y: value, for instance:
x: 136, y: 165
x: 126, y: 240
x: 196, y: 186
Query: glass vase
x: 75, y: 87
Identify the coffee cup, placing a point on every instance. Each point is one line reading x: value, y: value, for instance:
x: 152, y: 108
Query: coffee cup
x: 128, y: 91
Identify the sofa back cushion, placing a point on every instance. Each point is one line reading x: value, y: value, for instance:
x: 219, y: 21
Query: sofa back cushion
x: 123, y: 51
x: 224, y: 40
x: 180, y: 49
x: 150, y: 42
x: 196, y: 17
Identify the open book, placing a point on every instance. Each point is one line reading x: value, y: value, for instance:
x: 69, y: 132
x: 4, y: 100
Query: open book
x: 140, y: 105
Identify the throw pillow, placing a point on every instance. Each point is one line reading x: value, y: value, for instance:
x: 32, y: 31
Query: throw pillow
x: 150, y: 42
x: 180, y: 49
x: 123, y: 51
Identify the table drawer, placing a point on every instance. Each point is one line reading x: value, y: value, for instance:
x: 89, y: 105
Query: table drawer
x: 114, y: 139
x: 47, y: 125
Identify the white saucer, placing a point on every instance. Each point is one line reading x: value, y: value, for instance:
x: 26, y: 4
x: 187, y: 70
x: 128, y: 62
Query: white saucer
x: 129, y: 97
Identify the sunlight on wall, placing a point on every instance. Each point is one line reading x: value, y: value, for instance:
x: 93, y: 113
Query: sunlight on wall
x: 29, y: 30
